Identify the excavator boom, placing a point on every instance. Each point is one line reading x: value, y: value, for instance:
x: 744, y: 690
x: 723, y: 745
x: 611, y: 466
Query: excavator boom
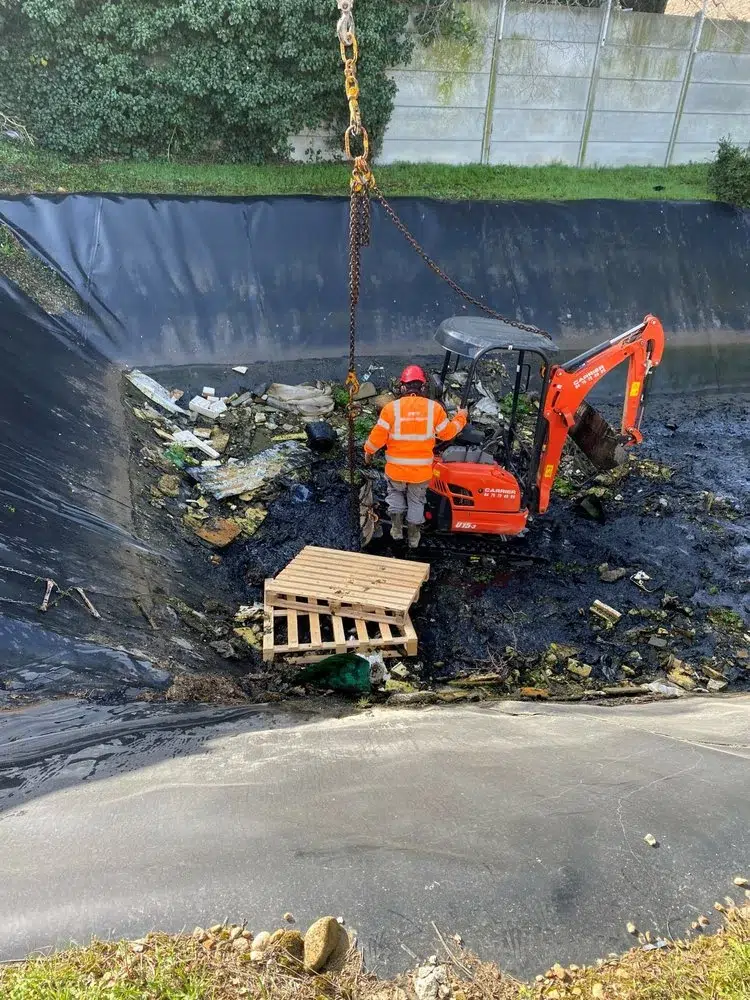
x: 565, y: 411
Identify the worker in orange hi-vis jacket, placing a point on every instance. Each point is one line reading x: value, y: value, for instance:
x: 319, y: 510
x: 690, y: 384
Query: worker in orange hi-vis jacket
x: 408, y: 428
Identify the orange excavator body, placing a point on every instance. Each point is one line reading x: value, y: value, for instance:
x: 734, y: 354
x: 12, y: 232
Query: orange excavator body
x: 493, y: 484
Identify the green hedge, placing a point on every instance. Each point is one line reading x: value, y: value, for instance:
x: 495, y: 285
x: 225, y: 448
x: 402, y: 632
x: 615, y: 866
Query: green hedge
x: 729, y: 174
x: 225, y: 80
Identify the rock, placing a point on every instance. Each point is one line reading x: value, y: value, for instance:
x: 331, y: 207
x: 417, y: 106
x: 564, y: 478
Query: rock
x: 680, y: 674
x: 651, y: 840
x: 715, y: 686
x: 413, y: 698
x: 289, y: 942
x: 579, y: 669
x: 366, y: 391
x: 607, y: 575
x: 323, y: 938
x: 560, y: 973
x: 218, y: 531
x: 235, y: 933
x: 200, y: 934
x: 382, y: 399
x: 169, y: 486
x: 257, y: 956
x: 251, y: 520
x: 216, y: 929
x: 219, y: 440
x: 703, y: 921
x: 241, y: 944
x: 431, y: 982
x: 261, y: 941
x: 224, y: 648
x: 631, y: 928
x: 597, y: 991
x: 657, y: 641
x: 289, y: 917
x: 741, y: 881
x: 400, y: 670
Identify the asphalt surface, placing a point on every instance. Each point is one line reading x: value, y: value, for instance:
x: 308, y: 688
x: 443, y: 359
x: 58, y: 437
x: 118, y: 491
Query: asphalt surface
x: 519, y: 826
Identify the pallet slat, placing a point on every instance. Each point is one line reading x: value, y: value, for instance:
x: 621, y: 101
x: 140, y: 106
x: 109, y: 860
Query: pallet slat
x: 391, y: 638
x: 349, y: 582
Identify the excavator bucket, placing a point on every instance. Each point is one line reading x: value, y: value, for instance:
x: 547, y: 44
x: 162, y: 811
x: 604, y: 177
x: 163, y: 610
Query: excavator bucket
x: 597, y: 439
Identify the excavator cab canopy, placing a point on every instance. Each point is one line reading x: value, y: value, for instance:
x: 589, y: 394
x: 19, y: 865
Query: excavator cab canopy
x: 472, y: 336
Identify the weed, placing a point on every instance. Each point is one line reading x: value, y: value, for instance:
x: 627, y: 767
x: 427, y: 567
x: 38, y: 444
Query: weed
x: 178, y: 456
x: 726, y: 619
x: 340, y: 396
x: 363, y: 425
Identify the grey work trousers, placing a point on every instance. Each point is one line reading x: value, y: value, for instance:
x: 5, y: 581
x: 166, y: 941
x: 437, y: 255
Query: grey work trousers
x: 406, y: 498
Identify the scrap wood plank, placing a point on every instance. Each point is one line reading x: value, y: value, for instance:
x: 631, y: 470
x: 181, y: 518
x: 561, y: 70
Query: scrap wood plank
x: 353, y: 584
x: 389, y: 638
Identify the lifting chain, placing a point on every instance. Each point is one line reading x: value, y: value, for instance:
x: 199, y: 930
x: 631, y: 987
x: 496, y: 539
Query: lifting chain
x: 361, y: 186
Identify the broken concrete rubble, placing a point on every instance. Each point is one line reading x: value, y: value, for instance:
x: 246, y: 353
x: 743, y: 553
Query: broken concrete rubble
x: 153, y: 391
x: 210, y: 408
x: 188, y: 440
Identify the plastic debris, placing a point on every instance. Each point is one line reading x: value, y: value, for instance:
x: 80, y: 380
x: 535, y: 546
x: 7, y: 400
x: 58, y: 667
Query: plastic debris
x: 253, y: 475
x: 486, y: 411
x: 666, y: 690
x: 321, y: 436
x: 304, y: 400
x: 188, y: 440
x: 210, y: 408
x: 640, y: 579
x: 242, y: 369
x: 152, y: 390
x: 300, y: 493
x: 347, y: 672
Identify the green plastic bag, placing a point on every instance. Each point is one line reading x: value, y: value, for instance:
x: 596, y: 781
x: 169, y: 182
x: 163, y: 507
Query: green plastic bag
x: 347, y: 672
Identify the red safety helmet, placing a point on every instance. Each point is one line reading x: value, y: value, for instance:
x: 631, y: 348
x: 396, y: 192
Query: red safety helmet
x: 412, y: 373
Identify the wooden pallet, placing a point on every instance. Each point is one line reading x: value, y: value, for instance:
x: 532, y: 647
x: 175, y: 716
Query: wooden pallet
x: 309, y: 636
x: 349, y: 584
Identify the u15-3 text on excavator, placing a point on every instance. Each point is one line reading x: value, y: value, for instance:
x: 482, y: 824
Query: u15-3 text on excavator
x: 492, y: 482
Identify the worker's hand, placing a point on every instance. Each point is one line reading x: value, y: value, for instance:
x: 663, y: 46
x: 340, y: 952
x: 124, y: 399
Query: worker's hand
x: 368, y: 458
x: 463, y: 412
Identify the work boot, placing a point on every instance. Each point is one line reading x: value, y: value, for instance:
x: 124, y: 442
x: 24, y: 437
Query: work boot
x: 413, y: 535
x: 397, y: 527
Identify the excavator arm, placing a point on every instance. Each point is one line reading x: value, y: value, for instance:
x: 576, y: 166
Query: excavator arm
x: 569, y: 384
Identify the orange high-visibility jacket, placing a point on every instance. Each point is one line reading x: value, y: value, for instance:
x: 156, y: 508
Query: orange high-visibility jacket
x: 408, y: 427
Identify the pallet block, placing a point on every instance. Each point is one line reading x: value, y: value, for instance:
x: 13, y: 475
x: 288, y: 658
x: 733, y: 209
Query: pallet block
x: 348, y: 584
x: 309, y: 636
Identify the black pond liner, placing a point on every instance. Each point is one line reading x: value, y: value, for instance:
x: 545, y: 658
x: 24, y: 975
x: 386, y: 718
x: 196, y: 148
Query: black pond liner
x: 167, y: 282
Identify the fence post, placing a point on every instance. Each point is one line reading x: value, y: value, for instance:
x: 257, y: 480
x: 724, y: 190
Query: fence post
x: 592, y: 83
x: 490, y: 106
x: 697, y: 32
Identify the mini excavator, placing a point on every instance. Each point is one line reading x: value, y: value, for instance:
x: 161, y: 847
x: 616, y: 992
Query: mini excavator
x: 491, y: 481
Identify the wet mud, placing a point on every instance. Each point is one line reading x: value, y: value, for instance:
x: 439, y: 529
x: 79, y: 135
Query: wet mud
x: 516, y: 612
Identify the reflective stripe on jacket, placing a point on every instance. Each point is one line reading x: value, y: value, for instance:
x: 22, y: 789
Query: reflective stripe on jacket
x: 408, y: 427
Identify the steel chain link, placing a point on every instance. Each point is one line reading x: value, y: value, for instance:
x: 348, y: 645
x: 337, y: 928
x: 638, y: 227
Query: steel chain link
x: 361, y: 186
x: 434, y: 266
